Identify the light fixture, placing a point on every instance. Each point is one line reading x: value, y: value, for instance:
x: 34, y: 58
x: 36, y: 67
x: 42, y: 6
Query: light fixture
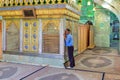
x: 55, y: 28
x: 74, y: 0
x: 105, y: 5
x: 88, y: 3
x: 109, y: 1
x: 94, y: 9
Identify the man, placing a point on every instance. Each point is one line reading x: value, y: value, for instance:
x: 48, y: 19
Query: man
x: 69, y: 44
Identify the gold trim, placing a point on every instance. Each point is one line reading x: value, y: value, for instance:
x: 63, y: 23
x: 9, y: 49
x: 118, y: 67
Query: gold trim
x: 42, y: 13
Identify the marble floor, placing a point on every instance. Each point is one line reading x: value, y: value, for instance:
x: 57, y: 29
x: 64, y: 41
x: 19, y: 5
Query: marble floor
x: 94, y: 64
x: 50, y: 73
x: 112, y: 77
x: 13, y: 71
x: 99, y: 59
x: 105, y: 60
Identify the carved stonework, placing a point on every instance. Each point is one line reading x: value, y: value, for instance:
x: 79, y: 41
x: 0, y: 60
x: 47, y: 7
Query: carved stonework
x: 12, y: 36
x: 51, y: 36
x: 50, y: 26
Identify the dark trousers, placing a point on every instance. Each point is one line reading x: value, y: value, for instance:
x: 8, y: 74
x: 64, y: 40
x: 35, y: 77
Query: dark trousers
x: 70, y: 56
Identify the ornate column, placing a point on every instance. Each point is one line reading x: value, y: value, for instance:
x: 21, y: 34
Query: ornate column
x: 36, y: 1
x: 61, y: 28
x: 26, y: 2
x: 59, y: 1
x: 21, y: 2
x: 30, y: 1
x: 42, y: 1
x: 11, y: 2
x: 53, y: 1
x: 40, y: 36
x: 47, y: 1
x: 21, y: 35
x: 3, y: 35
x: 16, y: 2
x: 2, y: 3
x: 65, y: 1
x: 6, y: 2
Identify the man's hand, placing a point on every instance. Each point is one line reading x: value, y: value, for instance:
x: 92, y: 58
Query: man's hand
x: 64, y: 34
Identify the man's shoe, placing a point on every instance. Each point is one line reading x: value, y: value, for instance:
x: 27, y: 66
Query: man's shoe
x: 69, y: 67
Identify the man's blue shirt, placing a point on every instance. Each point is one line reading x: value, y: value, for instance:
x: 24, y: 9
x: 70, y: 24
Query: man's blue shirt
x: 69, y: 40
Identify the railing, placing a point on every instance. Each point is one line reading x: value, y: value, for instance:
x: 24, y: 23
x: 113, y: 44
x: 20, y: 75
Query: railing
x: 8, y: 3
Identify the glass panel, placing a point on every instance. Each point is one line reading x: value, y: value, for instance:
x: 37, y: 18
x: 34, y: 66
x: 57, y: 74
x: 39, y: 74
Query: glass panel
x: 12, y: 35
x: 50, y: 36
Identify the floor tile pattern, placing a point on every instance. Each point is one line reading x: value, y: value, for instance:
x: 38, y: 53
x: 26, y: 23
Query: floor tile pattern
x: 99, y: 59
x: 50, y: 73
x: 112, y: 77
x: 12, y: 71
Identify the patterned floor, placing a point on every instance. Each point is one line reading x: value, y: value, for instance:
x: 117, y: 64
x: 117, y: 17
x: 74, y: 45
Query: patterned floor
x: 11, y: 71
x: 105, y: 60
x: 99, y: 59
x: 102, y: 51
x: 112, y: 77
x: 95, y: 64
x: 50, y: 73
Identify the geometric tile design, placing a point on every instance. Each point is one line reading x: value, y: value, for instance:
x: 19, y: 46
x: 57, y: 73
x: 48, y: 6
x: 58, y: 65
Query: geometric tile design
x: 101, y: 50
x: 96, y: 62
x: 12, y: 71
x: 50, y: 73
x: 60, y: 76
x: 5, y: 70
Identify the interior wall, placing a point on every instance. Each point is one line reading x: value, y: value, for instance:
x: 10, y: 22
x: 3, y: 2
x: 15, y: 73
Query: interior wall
x: 113, y: 7
x: 102, y: 27
x: 87, y: 12
x: 114, y: 34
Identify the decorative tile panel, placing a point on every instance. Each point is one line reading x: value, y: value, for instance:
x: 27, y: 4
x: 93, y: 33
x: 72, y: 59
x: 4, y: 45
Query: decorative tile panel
x: 12, y: 35
x: 30, y: 38
x: 34, y: 35
x: 26, y: 35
